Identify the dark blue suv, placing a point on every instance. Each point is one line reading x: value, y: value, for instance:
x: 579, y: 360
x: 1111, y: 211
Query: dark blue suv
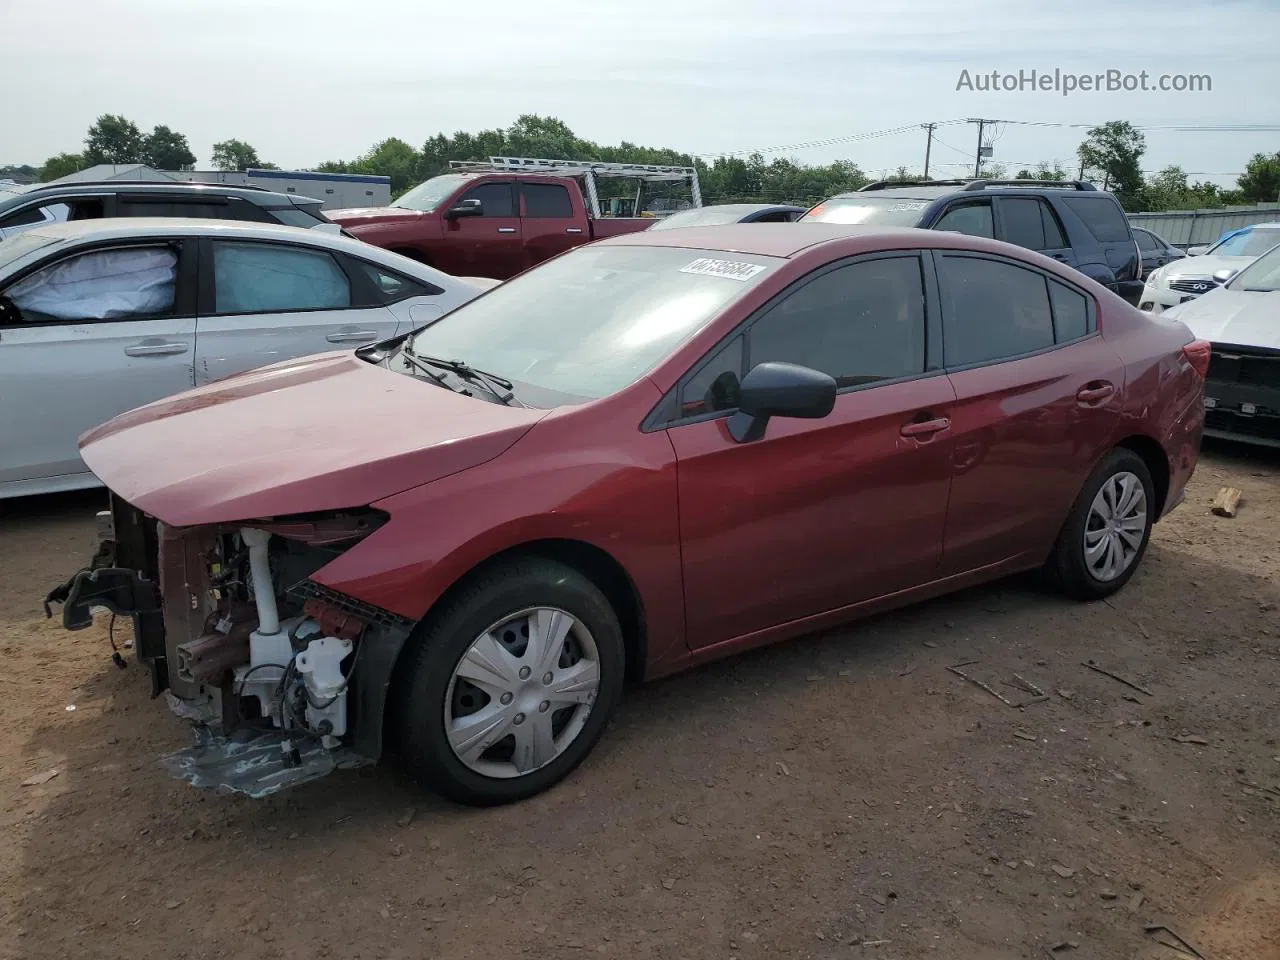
x: 1069, y: 220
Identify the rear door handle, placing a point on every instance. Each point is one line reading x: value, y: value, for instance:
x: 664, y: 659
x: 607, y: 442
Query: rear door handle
x: 506, y: 229
x: 924, y: 429
x: 156, y: 348
x: 351, y: 336
x: 573, y: 230
x: 1093, y: 394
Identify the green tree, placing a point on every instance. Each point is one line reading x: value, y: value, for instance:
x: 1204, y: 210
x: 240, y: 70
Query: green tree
x: 62, y: 165
x: 1169, y: 190
x: 1115, y: 151
x: 1044, y: 171
x: 22, y: 171
x: 113, y: 139
x: 390, y: 158
x: 1260, y: 182
x: 237, y: 155
x: 167, y: 149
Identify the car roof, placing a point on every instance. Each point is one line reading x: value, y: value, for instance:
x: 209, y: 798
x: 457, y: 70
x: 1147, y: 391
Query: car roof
x: 141, y: 228
x: 259, y: 195
x: 787, y: 240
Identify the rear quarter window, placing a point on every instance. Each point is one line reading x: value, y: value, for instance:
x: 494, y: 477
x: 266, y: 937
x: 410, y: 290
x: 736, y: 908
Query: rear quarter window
x: 1103, y: 217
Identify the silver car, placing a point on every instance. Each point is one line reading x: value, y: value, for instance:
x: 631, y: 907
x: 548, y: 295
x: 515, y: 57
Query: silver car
x: 100, y: 316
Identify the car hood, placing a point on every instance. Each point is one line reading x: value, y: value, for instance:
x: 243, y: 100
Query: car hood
x: 1232, y: 316
x: 323, y: 433
x: 1194, y: 267
x: 363, y: 216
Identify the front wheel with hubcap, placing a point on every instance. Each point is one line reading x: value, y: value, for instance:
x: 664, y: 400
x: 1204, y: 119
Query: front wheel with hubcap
x: 1107, y: 530
x: 510, y: 686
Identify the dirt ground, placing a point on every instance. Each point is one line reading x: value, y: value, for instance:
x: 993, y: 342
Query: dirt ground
x: 839, y: 796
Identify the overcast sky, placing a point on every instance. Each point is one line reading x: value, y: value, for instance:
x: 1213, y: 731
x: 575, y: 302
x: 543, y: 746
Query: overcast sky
x: 324, y: 79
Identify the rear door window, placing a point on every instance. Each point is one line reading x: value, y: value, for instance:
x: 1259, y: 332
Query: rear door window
x: 276, y: 278
x: 973, y: 219
x: 546, y: 200
x: 1102, y: 215
x: 171, y: 207
x: 1146, y: 243
x: 1022, y: 223
x: 1072, y: 318
x: 994, y: 310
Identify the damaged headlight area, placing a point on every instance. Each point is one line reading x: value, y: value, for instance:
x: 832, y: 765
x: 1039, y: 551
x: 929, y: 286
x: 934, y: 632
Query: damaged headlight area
x: 282, y: 678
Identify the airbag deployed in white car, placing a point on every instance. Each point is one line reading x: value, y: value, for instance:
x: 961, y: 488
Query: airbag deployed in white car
x: 101, y: 285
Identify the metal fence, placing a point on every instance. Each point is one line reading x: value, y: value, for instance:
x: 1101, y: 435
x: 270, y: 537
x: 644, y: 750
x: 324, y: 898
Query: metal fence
x: 1189, y: 228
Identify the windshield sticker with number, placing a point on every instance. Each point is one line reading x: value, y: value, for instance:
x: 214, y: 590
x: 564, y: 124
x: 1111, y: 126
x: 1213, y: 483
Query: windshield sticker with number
x: 731, y: 269
x: 909, y: 205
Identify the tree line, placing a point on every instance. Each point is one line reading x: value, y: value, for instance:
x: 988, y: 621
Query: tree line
x: 1110, y: 154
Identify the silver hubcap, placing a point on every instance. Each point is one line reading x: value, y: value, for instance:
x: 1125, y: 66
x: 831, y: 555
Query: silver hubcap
x: 522, y: 692
x: 1116, y: 525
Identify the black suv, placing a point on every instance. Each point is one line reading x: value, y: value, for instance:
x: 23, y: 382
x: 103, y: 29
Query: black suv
x: 133, y: 198
x: 1069, y: 220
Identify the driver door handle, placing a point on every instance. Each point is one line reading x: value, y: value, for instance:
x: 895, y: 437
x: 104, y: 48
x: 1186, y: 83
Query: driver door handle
x: 156, y: 348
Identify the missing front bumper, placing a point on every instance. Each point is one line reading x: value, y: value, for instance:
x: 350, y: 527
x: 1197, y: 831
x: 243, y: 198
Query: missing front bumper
x: 256, y: 763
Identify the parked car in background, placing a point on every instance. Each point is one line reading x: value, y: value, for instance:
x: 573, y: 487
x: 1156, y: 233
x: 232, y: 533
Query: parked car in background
x: 1156, y: 250
x: 499, y: 218
x: 1071, y: 221
x: 1196, y: 275
x: 730, y: 213
x: 1241, y: 319
x: 55, y: 203
x: 98, y: 317
x: 648, y: 453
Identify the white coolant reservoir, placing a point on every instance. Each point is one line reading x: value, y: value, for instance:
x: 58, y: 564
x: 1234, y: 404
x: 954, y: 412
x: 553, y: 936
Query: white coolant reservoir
x: 320, y: 667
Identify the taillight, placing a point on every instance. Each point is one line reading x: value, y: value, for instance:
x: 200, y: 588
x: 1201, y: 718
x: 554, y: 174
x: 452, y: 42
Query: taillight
x: 1139, y: 250
x: 1197, y: 353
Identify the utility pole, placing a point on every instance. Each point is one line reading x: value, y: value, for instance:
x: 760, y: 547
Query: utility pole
x: 977, y: 160
x: 928, y: 146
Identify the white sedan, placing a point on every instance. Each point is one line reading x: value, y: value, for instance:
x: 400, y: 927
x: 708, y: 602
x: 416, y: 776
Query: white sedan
x: 1195, y: 275
x: 100, y: 316
x: 1240, y: 321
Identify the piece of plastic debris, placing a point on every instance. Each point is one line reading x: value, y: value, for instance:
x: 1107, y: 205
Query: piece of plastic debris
x: 71, y: 707
x: 40, y: 778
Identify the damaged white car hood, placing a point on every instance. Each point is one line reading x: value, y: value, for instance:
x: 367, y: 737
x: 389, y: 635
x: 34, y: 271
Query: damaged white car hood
x: 1232, y: 316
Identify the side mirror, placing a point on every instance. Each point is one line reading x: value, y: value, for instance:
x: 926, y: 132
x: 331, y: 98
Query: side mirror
x: 780, y: 390
x: 1222, y: 276
x: 467, y: 208
x: 1196, y: 251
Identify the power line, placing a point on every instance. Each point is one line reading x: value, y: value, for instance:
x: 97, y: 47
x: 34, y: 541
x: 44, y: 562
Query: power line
x: 851, y: 138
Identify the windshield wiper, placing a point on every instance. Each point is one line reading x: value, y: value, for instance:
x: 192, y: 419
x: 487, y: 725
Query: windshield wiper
x: 500, y: 387
x: 419, y: 364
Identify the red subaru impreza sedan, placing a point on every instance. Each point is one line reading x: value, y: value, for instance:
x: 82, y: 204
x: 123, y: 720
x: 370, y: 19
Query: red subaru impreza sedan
x: 645, y: 454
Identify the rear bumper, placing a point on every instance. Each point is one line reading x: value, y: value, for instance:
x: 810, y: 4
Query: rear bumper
x: 1242, y: 395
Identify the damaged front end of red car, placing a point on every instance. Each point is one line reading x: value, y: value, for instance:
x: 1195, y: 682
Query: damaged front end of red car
x: 284, y: 680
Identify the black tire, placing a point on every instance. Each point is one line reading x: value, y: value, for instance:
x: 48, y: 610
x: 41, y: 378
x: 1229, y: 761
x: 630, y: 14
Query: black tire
x: 1066, y: 568
x: 449, y: 632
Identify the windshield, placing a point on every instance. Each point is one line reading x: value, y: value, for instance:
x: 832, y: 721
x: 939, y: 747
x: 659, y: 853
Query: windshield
x: 427, y: 196
x: 1252, y: 244
x: 1261, y: 276
x: 589, y: 323
x: 703, y: 217
x: 17, y: 247
x: 885, y: 211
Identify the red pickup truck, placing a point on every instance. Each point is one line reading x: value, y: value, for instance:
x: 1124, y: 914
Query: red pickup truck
x: 502, y: 219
